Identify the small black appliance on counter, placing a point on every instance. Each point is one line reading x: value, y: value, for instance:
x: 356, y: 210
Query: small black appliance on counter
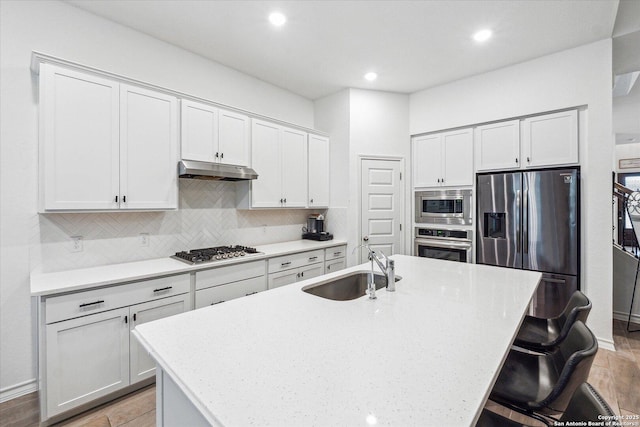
x: 315, y: 228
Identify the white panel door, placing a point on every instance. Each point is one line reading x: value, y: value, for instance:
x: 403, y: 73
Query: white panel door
x: 427, y: 161
x: 148, y: 149
x: 199, y: 131
x: 142, y: 365
x: 498, y: 146
x: 335, y: 265
x: 311, y: 271
x: 233, y: 138
x: 551, y: 139
x: 87, y: 358
x: 79, y: 139
x: 458, y: 157
x: 294, y: 167
x: 318, y: 171
x: 266, y: 191
x: 283, y: 278
x: 381, y: 206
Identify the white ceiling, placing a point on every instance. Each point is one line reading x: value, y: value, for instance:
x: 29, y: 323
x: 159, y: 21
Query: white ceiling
x: 328, y: 45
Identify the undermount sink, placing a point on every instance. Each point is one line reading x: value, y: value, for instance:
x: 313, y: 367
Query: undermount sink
x: 348, y: 287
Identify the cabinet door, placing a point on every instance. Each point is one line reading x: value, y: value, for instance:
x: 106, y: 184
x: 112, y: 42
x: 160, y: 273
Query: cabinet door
x: 283, y: 278
x: 458, y: 157
x: 335, y: 265
x: 199, y: 131
x: 551, y: 139
x: 498, y: 146
x: 142, y: 365
x: 218, y: 294
x: 233, y: 138
x: 294, y: 168
x: 318, y: 171
x: 87, y: 358
x: 79, y: 138
x: 148, y: 149
x: 427, y: 161
x: 311, y: 271
x: 266, y: 191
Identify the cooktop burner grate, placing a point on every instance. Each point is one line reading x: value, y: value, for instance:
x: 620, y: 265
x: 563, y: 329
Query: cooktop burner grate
x: 217, y: 253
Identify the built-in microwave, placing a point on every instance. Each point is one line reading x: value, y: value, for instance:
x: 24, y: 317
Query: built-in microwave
x: 451, y: 207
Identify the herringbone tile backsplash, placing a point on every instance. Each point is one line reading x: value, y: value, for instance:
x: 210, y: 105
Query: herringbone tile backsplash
x: 207, y: 216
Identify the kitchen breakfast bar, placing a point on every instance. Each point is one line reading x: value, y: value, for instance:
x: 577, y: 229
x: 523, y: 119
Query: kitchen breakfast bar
x: 426, y: 354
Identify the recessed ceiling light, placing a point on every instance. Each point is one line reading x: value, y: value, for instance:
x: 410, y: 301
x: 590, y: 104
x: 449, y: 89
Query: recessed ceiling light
x: 371, y: 76
x: 277, y: 19
x: 482, y: 35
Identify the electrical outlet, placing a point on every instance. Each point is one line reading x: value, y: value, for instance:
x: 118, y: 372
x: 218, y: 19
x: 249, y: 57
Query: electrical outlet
x: 76, y: 244
x: 144, y: 239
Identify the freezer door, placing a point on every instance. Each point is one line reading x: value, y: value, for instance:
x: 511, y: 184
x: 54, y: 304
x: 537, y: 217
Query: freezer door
x: 498, y: 220
x: 550, y: 221
x: 552, y: 295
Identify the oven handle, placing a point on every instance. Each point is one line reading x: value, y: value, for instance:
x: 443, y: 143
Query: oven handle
x: 444, y: 244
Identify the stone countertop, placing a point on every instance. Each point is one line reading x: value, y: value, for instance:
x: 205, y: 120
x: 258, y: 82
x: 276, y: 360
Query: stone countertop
x: 427, y: 354
x: 45, y: 284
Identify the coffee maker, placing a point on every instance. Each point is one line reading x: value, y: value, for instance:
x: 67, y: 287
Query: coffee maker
x: 315, y: 228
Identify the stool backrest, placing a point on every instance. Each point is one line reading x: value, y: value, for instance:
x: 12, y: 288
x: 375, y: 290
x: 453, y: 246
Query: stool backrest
x: 577, y: 308
x: 587, y: 405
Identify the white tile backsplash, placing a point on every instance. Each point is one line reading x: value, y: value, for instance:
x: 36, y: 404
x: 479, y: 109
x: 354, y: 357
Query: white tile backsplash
x: 207, y: 216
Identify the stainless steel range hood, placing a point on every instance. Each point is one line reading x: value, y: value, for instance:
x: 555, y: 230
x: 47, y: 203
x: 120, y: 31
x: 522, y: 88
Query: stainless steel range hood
x: 214, y: 171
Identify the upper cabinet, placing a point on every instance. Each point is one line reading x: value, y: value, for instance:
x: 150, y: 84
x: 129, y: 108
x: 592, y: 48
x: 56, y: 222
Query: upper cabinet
x: 539, y: 141
x: 318, y: 153
x: 105, y: 145
x: 212, y: 134
x: 279, y: 156
x: 443, y: 159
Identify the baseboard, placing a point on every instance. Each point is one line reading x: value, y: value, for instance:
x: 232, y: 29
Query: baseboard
x: 619, y: 315
x: 18, y: 390
x: 606, y: 344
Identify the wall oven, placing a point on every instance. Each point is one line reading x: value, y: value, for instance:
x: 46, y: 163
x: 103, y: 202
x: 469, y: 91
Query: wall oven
x: 451, y: 245
x: 451, y: 207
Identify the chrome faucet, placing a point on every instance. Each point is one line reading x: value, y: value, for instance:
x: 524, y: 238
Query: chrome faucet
x: 387, y: 268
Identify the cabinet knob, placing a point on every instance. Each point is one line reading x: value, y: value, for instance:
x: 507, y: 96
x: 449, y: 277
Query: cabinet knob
x: 280, y: 200
x: 124, y: 199
x: 222, y: 155
x: 516, y: 160
x: 528, y: 160
x: 311, y: 201
x: 116, y: 199
x: 285, y: 200
x: 216, y: 154
x: 365, y: 238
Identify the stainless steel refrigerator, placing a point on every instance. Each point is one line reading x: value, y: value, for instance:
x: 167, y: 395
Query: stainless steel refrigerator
x: 530, y: 220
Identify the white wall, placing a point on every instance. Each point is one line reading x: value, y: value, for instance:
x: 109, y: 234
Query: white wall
x: 626, y: 151
x: 28, y: 240
x: 575, y: 77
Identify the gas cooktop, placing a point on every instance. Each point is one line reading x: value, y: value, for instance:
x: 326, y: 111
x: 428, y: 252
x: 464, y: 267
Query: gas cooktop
x: 217, y: 253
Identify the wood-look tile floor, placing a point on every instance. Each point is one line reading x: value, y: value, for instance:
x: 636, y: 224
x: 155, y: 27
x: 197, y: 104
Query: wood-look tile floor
x: 616, y: 376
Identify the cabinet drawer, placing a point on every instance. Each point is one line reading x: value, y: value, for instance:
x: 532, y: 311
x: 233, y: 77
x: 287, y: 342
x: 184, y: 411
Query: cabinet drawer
x: 231, y: 273
x: 102, y: 299
x: 335, y: 253
x: 287, y: 262
x: 218, y: 294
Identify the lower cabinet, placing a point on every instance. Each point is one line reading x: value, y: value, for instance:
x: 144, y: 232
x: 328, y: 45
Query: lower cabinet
x: 288, y: 269
x: 294, y: 275
x: 334, y: 265
x: 226, y: 283
x: 88, y: 350
x: 335, y: 259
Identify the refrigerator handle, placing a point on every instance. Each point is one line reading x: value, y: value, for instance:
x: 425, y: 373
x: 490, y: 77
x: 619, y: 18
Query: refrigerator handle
x: 525, y: 222
x: 518, y: 222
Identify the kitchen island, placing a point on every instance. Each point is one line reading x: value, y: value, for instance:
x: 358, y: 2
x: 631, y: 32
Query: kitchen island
x: 427, y: 354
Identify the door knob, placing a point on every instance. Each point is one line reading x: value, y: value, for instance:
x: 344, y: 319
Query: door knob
x: 365, y: 238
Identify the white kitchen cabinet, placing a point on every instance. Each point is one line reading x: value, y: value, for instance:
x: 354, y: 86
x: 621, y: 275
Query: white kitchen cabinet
x: 318, y: 170
x: 288, y: 269
x: 212, y: 134
x: 335, y: 259
x: 550, y: 139
x: 87, y: 350
x: 443, y: 159
x: 105, y: 145
x: 226, y: 283
x: 87, y: 358
x: 148, y: 149
x: 279, y: 156
x: 498, y: 146
x: 142, y: 365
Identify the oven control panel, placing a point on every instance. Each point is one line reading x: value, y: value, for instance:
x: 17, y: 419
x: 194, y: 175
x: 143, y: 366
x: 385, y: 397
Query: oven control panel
x: 447, y: 234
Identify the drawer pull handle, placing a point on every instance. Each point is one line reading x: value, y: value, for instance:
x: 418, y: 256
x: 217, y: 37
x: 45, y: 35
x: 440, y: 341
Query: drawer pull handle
x: 163, y: 289
x: 313, y: 258
x: 91, y: 303
x: 250, y: 293
x: 337, y: 253
x: 284, y: 264
x: 126, y: 319
x: 214, y: 303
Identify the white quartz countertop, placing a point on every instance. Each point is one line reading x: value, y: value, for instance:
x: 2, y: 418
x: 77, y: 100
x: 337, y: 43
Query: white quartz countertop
x: 86, y: 278
x: 425, y: 355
